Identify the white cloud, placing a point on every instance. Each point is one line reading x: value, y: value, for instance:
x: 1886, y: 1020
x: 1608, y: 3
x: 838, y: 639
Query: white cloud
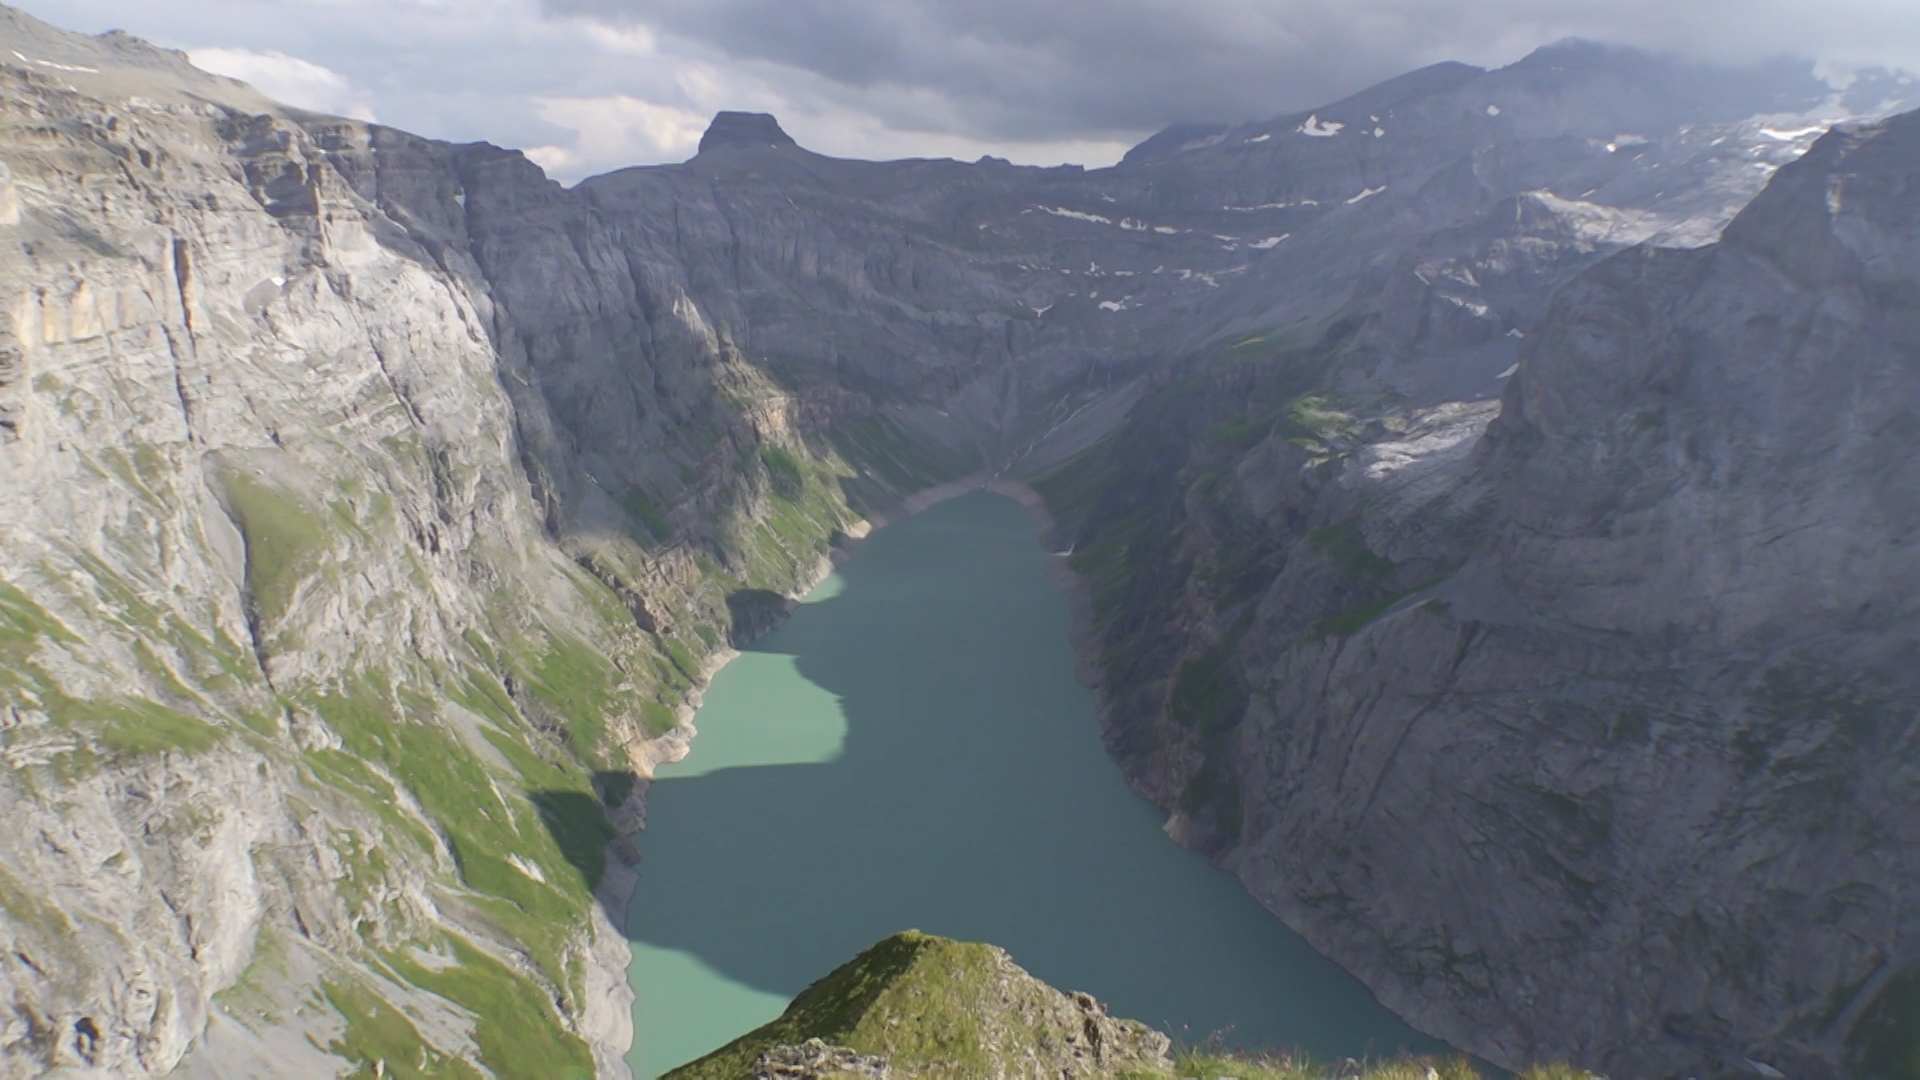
x: 618, y: 128
x: 288, y: 79
x: 619, y: 82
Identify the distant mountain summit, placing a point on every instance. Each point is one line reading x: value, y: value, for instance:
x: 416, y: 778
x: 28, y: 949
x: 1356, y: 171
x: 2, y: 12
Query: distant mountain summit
x: 745, y: 130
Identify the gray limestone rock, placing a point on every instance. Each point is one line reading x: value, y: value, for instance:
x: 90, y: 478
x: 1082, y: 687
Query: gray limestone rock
x: 1591, y: 736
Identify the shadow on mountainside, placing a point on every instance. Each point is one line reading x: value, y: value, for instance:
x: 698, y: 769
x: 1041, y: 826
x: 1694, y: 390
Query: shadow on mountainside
x: 971, y: 798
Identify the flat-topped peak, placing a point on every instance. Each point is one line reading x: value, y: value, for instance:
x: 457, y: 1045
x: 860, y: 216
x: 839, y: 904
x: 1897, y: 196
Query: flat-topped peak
x: 744, y: 129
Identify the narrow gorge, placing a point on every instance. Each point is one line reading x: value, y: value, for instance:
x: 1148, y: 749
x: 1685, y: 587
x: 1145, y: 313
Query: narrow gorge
x: 1489, y: 489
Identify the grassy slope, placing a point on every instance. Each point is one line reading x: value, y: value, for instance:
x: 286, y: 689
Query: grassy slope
x: 485, y: 768
x: 935, y: 1007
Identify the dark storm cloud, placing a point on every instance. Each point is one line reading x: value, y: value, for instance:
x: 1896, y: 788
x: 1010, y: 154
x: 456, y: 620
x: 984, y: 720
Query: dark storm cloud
x: 1035, y: 69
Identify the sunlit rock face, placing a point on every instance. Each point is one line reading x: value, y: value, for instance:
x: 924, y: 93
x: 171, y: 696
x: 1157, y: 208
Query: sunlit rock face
x: 368, y: 504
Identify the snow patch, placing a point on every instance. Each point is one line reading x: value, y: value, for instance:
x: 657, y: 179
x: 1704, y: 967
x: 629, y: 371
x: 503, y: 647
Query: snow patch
x: 1366, y: 194
x: 1493, y: 110
x: 1077, y: 215
x: 50, y: 64
x: 1319, y: 130
x: 1260, y: 138
x: 1379, y: 133
x: 1165, y: 230
x: 1039, y: 311
x: 1270, y: 206
x: 1269, y: 243
x: 530, y: 869
x: 1509, y: 373
x: 1113, y: 305
x: 1794, y: 135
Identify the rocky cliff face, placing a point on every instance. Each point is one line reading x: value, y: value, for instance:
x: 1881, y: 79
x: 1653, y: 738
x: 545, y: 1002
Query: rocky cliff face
x: 1594, y: 734
x: 370, y: 502
x: 321, y: 650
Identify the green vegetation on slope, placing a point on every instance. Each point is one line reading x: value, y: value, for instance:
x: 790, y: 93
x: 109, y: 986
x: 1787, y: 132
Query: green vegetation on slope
x: 877, y: 448
x: 507, y: 1010
x: 939, y: 1008
x: 1885, y: 1043
x: 932, y: 1007
x: 379, y: 1040
x: 284, y: 540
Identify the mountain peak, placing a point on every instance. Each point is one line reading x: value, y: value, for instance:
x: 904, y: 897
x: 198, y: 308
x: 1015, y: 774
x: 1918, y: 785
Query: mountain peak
x: 744, y: 129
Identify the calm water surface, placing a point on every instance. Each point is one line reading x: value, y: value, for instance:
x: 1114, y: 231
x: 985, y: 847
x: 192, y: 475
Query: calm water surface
x: 910, y: 750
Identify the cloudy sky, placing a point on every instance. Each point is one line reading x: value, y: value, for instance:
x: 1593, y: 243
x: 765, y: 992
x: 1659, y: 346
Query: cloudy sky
x: 590, y: 85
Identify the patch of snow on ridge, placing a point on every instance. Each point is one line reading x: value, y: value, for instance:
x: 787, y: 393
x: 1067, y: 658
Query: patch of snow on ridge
x: 51, y: 64
x: 1795, y: 135
x: 1319, y: 130
x: 1077, y: 215
x: 1113, y: 305
x: 1270, y: 206
x: 1269, y: 243
x: 1493, y: 110
x: 1260, y: 138
x: 1165, y: 230
x: 1366, y: 194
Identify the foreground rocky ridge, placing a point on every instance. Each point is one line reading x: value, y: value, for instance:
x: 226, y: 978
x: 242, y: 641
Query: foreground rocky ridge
x: 372, y: 504
x: 918, y: 1005
x: 914, y: 1005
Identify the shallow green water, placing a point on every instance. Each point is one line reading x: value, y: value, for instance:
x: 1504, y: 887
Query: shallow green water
x: 910, y: 749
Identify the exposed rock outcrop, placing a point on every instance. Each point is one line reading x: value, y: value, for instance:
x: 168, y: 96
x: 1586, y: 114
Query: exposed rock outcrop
x: 815, y: 1060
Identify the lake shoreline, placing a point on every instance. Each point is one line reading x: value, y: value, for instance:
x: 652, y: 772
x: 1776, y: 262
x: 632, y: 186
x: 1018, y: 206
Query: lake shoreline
x: 607, y: 1018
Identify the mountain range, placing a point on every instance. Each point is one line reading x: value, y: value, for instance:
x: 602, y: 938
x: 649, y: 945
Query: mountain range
x: 1488, y: 488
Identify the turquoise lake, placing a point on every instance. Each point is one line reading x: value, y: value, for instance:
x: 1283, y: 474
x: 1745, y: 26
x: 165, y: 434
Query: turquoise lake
x: 910, y: 750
